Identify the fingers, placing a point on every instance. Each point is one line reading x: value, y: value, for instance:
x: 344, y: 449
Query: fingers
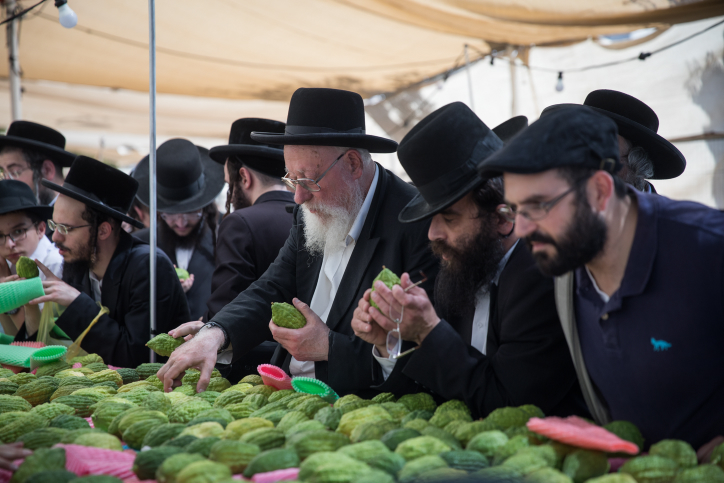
x: 304, y: 309
x: 171, y: 371
x: 381, y: 320
x: 205, y: 376
x: 186, y: 329
x: 41, y: 300
x: 366, y: 296
x: 48, y: 274
x: 11, y: 278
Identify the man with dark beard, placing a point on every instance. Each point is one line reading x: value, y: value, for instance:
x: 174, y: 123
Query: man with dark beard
x: 640, y: 278
x: 493, y: 338
x: 105, y: 265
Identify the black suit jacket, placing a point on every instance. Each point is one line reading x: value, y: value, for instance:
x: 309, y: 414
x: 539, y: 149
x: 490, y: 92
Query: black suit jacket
x: 527, y: 359
x: 120, y: 337
x: 383, y: 241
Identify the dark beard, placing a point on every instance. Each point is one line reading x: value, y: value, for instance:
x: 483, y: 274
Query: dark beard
x: 470, y: 268
x: 83, y: 261
x: 170, y: 240
x: 239, y: 198
x: 582, y: 241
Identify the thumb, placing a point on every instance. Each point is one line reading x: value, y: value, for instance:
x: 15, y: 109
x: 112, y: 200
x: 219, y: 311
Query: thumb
x: 405, y: 280
x: 302, y: 307
x: 48, y: 274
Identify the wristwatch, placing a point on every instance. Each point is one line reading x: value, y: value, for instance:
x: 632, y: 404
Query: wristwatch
x: 226, y: 343
x: 13, y: 312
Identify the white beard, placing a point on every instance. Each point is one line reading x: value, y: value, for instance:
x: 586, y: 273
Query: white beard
x: 330, y: 224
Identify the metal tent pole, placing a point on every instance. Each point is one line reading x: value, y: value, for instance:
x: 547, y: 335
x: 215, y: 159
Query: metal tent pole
x: 152, y: 160
x: 14, y: 62
x: 470, y: 78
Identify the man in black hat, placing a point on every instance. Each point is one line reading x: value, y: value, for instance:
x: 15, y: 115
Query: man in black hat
x: 640, y: 278
x: 344, y: 231
x: 31, y: 152
x: 187, y: 183
x: 107, y: 266
x: 493, y: 338
x: 643, y: 153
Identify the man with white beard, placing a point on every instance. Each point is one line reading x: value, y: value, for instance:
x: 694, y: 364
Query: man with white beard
x: 345, y: 229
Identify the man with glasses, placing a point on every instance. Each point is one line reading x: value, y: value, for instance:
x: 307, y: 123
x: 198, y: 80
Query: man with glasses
x: 493, y: 337
x: 345, y: 229
x: 104, y: 265
x: 640, y: 278
x: 22, y: 234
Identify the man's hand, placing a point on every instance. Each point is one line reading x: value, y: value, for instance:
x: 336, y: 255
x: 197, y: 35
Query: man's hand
x: 55, y: 289
x: 704, y: 453
x: 419, y: 318
x: 188, y: 283
x: 199, y: 353
x: 10, y: 453
x: 5, y: 274
x: 366, y: 328
x: 187, y: 330
x: 310, y: 343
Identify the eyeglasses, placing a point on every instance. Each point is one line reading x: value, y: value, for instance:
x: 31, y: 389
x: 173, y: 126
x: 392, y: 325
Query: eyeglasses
x: 61, y: 228
x: 535, y: 211
x: 307, y: 183
x: 186, y: 217
x: 17, y: 235
x: 394, y: 337
x: 12, y: 174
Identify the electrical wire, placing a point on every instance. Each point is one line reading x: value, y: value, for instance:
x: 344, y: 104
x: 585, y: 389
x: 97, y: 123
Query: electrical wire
x: 20, y: 14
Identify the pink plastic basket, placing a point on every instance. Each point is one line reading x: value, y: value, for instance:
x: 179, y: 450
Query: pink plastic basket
x: 274, y: 376
x: 578, y: 432
x: 85, y: 460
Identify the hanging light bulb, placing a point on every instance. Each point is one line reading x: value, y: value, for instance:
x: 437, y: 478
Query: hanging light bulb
x: 559, y: 84
x: 67, y: 16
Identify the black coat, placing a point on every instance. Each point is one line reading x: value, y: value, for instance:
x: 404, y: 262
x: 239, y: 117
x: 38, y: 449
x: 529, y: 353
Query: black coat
x: 201, y: 266
x: 383, y: 241
x: 120, y: 336
x: 527, y: 359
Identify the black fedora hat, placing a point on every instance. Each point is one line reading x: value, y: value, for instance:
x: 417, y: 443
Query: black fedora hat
x: 508, y: 129
x: 17, y: 196
x: 441, y: 154
x: 187, y: 179
x: 638, y: 123
x: 99, y: 186
x: 34, y: 136
x: 265, y: 158
x: 327, y: 117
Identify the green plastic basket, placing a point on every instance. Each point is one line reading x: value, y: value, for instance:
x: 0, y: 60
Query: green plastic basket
x: 50, y: 353
x: 16, y: 294
x: 316, y: 387
x: 6, y: 339
x: 14, y: 355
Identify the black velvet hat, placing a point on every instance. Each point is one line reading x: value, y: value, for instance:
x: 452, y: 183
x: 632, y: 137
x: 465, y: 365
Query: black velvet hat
x: 638, y: 123
x: 441, y: 154
x: 265, y: 158
x: 508, y: 129
x: 187, y: 179
x: 327, y: 117
x: 99, y: 186
x: 17, y: 196
x: 571, y: 136
x: 34, y: 136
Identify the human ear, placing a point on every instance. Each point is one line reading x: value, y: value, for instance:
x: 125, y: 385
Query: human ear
x: 47, y: 169
x: 600, y: 190
x: 104, y: 231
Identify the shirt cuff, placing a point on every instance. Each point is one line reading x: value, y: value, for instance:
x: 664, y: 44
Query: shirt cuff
x: 387, y: 365
x: 226, y: 356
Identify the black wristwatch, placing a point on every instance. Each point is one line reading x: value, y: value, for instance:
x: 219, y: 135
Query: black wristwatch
x: 226, y: 343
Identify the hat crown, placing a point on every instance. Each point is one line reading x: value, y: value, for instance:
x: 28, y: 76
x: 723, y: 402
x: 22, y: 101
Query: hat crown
x: 12, y: 189
x: 36, y: 132
x: 332, y: 110
x: 178, y: 163
x: 623, y: 105
x: 100, y: 182
x: 241, y: 131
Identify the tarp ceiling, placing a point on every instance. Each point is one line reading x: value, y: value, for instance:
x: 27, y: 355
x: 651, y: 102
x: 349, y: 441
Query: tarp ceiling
x: 260, y: 49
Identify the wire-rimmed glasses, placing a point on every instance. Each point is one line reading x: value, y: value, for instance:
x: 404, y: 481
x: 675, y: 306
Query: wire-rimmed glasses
x: 308, y: 183
x: 17, y: 235
x: 534, y: 211
x: 394, y: 337
x: 61, y: 228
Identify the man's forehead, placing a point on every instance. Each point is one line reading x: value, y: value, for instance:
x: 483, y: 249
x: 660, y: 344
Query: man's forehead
x: 522, y: 188
x: 12, y: 158
x: 68, y: 209
x: 306, y: 159
x: 14, y: 219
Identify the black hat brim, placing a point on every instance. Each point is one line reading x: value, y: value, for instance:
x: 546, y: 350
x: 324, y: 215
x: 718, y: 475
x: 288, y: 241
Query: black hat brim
x: 667, y: 159
x: 373, y: 144
x: 221, y: 153
x: 213, y: 184
x: 418, y: 209
x: 69, y: 192
x: 55, y: 154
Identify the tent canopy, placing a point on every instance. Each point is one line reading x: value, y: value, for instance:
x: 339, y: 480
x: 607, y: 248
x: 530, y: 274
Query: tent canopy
x: 256, y: 49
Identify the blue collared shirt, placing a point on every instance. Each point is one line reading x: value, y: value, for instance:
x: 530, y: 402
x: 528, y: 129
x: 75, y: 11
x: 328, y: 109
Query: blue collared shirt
x: 655, y: 349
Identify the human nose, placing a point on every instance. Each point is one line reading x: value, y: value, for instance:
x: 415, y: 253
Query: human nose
x: 301, y: 195
x: 435, y: 232
x: 57, y: 236
x: 524, y: 226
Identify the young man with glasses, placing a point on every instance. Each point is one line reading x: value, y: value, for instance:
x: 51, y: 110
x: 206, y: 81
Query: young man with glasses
x: 105, y: 265
x: 493, y: 337
x: 345, y: 229
x: 639, y: 278
x: 22, y: 234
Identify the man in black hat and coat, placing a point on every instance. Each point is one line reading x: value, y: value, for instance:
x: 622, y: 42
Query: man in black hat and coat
x: 187, y: 184
x: 104, y: 265
x: 493, y: 338
x: 639, y: 278
x: 344, y: 231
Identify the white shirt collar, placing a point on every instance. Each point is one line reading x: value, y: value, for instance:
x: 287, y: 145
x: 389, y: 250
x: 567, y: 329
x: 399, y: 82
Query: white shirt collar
x: 359, y: 222
x: 41, y: 251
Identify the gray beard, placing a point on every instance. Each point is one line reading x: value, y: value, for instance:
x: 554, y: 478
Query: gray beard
x: 331, y: 224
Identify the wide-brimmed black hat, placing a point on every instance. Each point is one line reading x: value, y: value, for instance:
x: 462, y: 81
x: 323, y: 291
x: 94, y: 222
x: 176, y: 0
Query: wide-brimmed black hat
x: 638, y: 123
x: 99, y: 186
x: 327, y: 117
x: 508, y: 129
x: 39, y: 138
x: 265, y: 158
x: 17, y: 196
x: 441, y: 154
x: 187, y: 179
x: 571, y: 136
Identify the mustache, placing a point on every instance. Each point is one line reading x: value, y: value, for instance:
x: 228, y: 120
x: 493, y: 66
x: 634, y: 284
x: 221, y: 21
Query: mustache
x: 60, y: 246
x: 441, y: 248
x: 540, y: 237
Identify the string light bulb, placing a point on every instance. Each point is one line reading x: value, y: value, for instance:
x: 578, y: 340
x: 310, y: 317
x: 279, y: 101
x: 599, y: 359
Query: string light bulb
x: 66, y: 15
x: 559, y: 84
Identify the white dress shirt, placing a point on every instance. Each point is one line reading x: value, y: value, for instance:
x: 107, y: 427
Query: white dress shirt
x: 334, y: 264
x: 183, y: 257
x: 96, y: 285
x: 49, y: 256
x: 481, y: 319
